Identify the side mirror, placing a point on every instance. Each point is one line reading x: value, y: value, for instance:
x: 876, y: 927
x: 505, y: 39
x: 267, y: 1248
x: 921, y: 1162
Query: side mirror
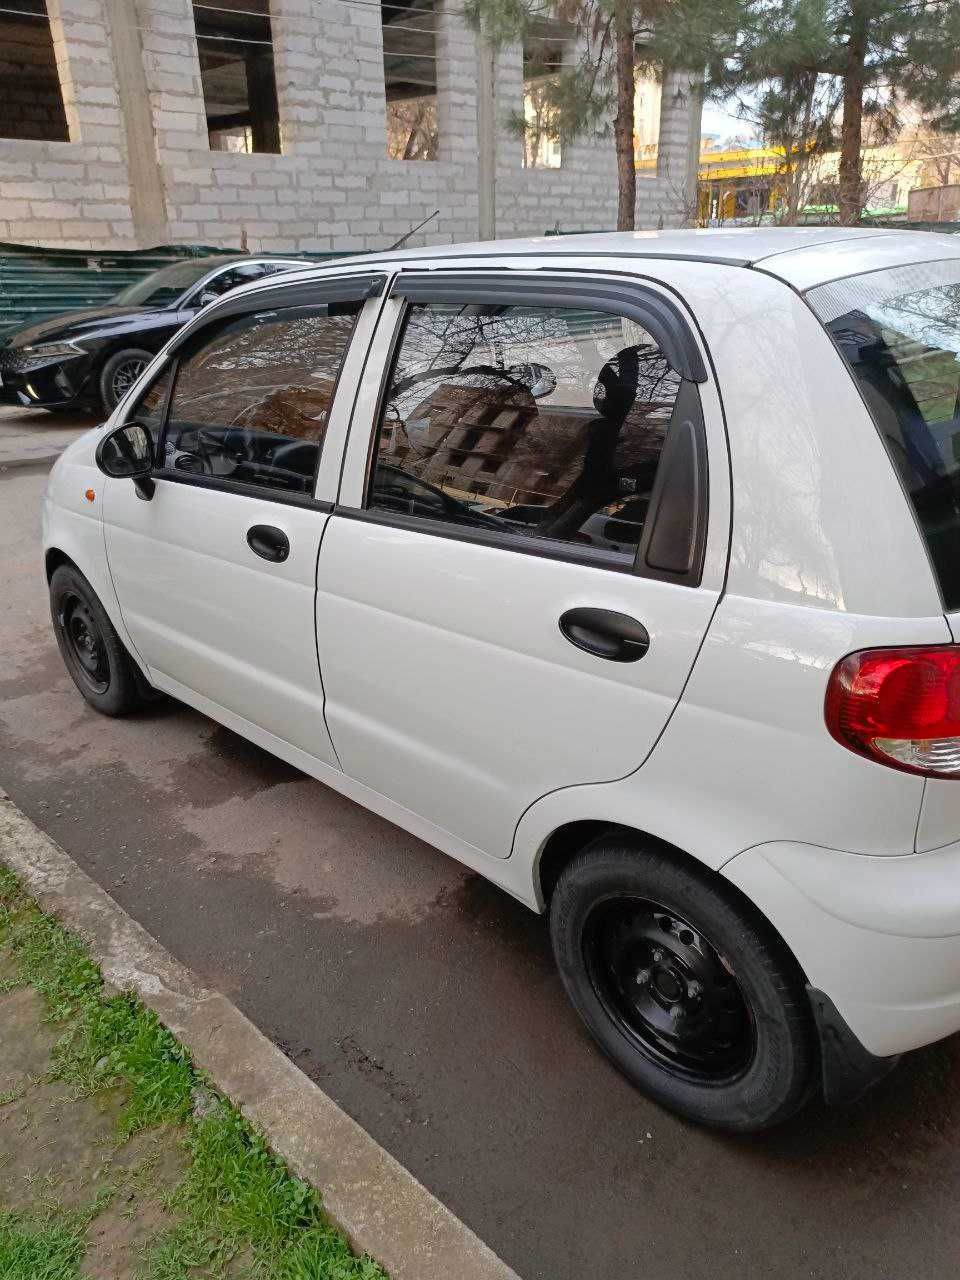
x: 127, y: 454
x: 539, y: 379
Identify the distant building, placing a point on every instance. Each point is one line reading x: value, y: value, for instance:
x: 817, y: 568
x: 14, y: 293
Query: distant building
x: 934, y: 204
x: 744, y: 183
x: 297, y: 124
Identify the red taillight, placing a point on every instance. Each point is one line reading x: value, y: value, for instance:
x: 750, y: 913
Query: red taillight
x: 900, y: 707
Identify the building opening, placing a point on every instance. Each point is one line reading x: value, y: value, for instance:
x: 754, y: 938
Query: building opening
x: 31, y: 101
x: 646, y: 124
x: 542, y: 64
x: 235, y: 43
x: 410, y: 79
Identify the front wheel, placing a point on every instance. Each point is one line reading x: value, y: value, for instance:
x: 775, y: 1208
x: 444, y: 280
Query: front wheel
x: 92, y: 651
x: 689, y: 993
x: 119, y: 373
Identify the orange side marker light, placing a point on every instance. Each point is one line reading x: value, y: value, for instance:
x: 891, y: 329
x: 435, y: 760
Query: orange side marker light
x: 90, y: 495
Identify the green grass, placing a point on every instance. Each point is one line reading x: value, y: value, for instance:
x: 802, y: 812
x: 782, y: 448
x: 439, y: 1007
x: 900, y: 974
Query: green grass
x: 48, y: 1244
x: 237, y: 1204
x: 40, y: 1250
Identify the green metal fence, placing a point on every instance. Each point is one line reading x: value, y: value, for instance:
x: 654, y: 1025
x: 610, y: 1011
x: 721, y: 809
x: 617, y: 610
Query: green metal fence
x: 37, y: 283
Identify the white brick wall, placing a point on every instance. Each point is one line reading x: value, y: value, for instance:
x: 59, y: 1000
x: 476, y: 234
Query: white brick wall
x: 333, y: 186
x: 76, y: 193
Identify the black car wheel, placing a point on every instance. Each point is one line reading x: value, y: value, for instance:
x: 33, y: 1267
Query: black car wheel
x: 119, y: 373
x: 685, y: 988
x: 91, y: 650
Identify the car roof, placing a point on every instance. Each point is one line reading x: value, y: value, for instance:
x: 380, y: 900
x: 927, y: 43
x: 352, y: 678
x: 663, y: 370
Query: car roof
x: 228, y: 259
x: 801, y: 256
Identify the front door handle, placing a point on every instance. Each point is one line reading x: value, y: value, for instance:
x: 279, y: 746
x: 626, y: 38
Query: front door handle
x: 615, y: 636
x: 268, y: 541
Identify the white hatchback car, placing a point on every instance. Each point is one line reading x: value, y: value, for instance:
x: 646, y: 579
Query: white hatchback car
x: 626, y: 570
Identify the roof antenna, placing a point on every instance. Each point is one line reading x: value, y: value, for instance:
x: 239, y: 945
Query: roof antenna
x: 413, y: 231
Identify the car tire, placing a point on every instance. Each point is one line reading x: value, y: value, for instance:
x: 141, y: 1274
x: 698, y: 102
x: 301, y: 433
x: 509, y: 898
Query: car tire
x: 119, y: 373
x: 684, y: 986
x: 92, y: 652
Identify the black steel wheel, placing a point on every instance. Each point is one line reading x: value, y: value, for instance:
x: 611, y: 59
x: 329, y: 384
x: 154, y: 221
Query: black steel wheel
x: 84, y: 639
x: 92, y: 651
x: 668, y: 989
x: 119, y: 373
x: 683, y: 985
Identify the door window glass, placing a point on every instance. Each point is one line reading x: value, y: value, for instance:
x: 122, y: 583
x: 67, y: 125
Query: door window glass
x: 148, y: 410
x: 227, y: 280
x: 540, y: 421
x: 251, y: 402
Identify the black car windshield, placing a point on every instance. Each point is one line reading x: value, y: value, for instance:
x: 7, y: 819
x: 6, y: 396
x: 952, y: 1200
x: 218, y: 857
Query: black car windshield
x: 899, y: 331
x: 165, y: 286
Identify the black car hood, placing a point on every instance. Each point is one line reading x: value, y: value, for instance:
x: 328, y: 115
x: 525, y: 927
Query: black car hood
x: 74, y: 324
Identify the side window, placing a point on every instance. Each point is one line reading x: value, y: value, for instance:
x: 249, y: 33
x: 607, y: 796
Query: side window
x: 546, y: 422
x: 251, y: 400
x: 231, y: 279
x: 243, y: 274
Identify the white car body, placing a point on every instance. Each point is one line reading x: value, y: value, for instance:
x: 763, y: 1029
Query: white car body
x: 446, y: 700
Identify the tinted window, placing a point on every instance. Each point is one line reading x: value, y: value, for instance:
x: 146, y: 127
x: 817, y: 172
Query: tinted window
x: 160, y: 288
x: 231, y: 279
x: 538, y: 421
x: 899, y: 331
x: 250, y: 402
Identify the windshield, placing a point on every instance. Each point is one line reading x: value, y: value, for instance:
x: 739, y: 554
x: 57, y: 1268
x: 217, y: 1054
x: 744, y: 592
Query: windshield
x: 161, y: 288
x: 899, y: 331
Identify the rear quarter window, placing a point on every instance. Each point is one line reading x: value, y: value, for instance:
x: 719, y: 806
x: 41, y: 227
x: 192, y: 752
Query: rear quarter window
x: 899, y: 332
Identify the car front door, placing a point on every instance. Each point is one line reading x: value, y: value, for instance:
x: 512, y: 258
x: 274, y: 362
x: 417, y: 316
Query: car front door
x: 523, y: 560
x: 215, y: 572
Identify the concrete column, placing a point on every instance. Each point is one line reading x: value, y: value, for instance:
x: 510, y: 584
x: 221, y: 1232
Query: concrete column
x: 146, y: 184
x: 681, y: 107
x: 456, y: 86
x: 487, y: 137
x: 58, y: 29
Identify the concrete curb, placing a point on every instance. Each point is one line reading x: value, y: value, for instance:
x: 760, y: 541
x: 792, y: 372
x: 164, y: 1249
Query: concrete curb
x: 382, y: 1208
x: 42, y: 460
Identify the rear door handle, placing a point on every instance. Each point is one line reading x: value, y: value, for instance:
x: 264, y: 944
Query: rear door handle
x: 268, y: 541
x: 615, y: 636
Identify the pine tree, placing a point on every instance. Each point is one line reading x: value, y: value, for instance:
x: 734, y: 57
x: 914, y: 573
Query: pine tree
x: 819, y: 72
x: 613, y: 47
x: 849, y: 64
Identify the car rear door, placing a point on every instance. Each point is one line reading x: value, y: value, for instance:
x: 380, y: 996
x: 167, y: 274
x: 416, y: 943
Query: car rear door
x: 215, y: 573
x: 528, y: 546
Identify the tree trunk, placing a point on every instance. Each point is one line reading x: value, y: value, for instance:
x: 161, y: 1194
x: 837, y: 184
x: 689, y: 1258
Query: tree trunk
x: 623, y: 124
x: 851, y: 130
x: 798, y: 149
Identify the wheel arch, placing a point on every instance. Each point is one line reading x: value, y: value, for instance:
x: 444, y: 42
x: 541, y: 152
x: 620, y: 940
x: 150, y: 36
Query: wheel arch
x: 566, y: 841
x: 53, y: 558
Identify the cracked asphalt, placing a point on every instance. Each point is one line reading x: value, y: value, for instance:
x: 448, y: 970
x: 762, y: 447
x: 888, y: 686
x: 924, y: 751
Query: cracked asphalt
x: 424, y: 1002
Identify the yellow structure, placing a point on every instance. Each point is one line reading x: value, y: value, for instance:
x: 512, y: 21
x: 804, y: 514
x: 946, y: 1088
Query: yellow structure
x: 748, y: 182
x: 739, y: 182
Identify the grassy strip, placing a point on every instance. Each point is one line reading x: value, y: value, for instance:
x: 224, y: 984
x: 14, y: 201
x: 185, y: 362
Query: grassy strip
x: 236, y: 1201
x: 42, y: 1250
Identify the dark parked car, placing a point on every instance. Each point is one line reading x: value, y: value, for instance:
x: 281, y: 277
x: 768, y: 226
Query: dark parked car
x: 90, y: 357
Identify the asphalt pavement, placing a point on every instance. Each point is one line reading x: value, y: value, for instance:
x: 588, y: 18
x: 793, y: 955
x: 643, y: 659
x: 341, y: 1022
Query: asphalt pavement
x: 425, y: 1003
x: 34, y: 436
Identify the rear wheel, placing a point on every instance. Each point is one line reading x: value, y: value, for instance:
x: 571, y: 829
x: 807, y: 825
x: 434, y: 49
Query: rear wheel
x: 119, y: 373
x: 688, y: 992
x: 91, y: 650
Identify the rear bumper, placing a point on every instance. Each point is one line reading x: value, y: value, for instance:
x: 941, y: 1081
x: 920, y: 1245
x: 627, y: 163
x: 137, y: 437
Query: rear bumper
x: 879, y: 935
